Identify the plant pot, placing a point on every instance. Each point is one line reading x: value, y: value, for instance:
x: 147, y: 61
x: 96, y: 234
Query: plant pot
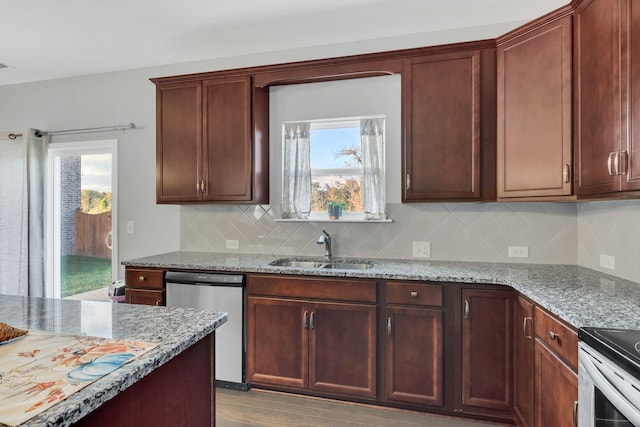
x: 334, y: 211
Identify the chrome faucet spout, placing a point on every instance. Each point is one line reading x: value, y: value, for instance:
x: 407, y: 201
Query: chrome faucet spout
x: 325, y: 239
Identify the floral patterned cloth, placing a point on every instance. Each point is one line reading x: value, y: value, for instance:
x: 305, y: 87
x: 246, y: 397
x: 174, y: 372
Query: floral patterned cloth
x: 40, y: 369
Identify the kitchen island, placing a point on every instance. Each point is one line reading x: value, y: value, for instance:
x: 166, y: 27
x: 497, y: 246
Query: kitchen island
x: 173, y: 384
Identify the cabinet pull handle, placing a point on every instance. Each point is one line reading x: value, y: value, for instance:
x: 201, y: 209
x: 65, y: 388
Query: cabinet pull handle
x: 524, y: 327
x: 553, y: 336
x: 408, y: 182
x: 466, y: 309
x: 158, y: 303
x: 304, y: 320
x: 413, y: 294
x: 610, y: 163
x: 575, y: 414
x: 204, y: 186
x: 312, y: 320
x: 198, y: 186
x: 621, y: 162
x: 389, y: 325
x: 565, y: 173
x: 142, y: 278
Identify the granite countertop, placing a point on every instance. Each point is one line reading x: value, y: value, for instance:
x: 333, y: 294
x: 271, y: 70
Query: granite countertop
x: 578, y: 295
x: 173, y: 329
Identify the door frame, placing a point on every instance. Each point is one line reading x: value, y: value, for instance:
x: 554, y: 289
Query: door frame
x: 52, y: 239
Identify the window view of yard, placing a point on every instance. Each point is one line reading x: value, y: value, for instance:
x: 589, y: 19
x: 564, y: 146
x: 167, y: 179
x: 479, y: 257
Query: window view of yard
x: 83, y: 274
x: 85, y: 224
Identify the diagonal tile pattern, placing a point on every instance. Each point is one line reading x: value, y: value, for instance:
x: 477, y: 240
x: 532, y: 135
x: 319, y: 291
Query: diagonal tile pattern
x: 457, y: 232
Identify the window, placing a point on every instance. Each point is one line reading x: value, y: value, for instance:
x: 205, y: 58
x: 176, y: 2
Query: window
x: 334, y: 168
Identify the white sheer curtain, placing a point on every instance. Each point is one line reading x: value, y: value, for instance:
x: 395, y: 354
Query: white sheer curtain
x: 22, y: 170
x: 373, y: 189
x: 296, y: 185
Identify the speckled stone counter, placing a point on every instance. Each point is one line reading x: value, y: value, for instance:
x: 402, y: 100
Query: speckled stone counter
x: 173, y: 329
x: 578, y: 295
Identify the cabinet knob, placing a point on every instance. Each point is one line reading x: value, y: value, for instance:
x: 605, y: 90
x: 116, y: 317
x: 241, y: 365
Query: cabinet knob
x: 413, y: 294
x: 142, y: 278
x: 158, y: 303
x: 553, y: 336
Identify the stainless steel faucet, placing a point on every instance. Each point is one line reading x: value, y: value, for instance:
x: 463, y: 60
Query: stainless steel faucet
x: 326, y: 240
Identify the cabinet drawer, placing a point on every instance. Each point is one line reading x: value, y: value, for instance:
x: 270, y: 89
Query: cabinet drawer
x: 557, y: 336
x: 144, y: 278
x: 413, y: 293
x: 144, y: 297
x: 312, y: 288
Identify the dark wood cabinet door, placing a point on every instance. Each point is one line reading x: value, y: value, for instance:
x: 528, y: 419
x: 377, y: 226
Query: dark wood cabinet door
x: 441, y: 150
x: 343, y: 348
x: 277, y: 342
x: 534, y: 112
x: 414, y: 355
x: 144, y: 296
x: 179, y: 141
x: 227, y: 168
x: 600, y: 93
x: 486, y: 348
x: 523, y: 362
x: 631, y: 182
x: 556, y: 389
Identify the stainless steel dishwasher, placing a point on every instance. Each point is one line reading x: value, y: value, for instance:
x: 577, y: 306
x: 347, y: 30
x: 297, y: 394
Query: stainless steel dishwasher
x: 216, y: 292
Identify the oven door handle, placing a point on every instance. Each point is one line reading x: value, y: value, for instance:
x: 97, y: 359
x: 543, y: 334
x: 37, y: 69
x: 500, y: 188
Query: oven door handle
x: 621, y: 403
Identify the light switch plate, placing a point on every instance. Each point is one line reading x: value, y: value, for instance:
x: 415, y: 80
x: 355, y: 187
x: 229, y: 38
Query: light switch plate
x: 422, y: 249
x: 233, y: 244
x: 518, y: 251
x: 608, y: 262
x: 131, y: 227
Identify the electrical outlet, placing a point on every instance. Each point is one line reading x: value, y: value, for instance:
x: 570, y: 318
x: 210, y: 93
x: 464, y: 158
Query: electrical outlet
x: 608, y: 262
x: 131, y: 227
x: 518, y: 251
x: 233, y: 244
x: 422, y: 249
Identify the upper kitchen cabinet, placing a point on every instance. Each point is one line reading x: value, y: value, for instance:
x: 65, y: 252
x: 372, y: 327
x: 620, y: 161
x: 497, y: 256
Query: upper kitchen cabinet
x: 607, y: 98
x: 534, y: 109
x: 212, y: 140
x: 449, y: 124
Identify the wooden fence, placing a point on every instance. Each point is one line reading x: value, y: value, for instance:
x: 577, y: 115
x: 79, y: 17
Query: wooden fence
x: 91, y: 234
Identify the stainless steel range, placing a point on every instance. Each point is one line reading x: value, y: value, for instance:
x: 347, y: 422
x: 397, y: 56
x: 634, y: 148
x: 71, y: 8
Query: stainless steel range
x: 609, y: 377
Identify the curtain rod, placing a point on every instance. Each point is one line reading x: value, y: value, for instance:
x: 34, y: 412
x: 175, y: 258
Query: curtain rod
x: 90, y: 130
x: 38, y: 133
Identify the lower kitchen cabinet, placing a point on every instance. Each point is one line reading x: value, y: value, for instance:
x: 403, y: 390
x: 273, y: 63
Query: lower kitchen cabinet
x: 556, y: 363
x: 523, y: 362
x: 487, y: 349
x: 144, y: 286
x: 413, y: 333
x: 277, y: 337
x: 414, y: 355
x: 556, y: 389
x: 294, y: 341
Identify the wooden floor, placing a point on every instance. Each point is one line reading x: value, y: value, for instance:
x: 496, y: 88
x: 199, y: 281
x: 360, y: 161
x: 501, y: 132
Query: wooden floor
x: 264, y: 408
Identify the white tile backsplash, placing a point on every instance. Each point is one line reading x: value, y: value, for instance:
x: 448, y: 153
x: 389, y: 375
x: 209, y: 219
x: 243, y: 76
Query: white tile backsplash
x: 457, y: 232
x: 610, y: 228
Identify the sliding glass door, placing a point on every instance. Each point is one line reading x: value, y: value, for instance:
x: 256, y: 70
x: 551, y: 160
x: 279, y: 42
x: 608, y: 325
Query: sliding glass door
x: 82, y: 259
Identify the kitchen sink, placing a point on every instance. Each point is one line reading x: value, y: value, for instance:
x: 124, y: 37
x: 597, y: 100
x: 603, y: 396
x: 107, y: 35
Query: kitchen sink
x: 313, y: 264
x: 348, y: 265
x: 297, y: 263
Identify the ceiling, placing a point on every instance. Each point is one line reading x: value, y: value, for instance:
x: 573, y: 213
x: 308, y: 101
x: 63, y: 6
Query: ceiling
x: 44, y: 39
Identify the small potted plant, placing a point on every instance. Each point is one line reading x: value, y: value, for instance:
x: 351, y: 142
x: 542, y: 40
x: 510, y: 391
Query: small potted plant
x: 334, y: 209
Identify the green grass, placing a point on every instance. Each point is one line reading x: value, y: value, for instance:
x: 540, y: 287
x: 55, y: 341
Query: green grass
x: 80, y: 274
